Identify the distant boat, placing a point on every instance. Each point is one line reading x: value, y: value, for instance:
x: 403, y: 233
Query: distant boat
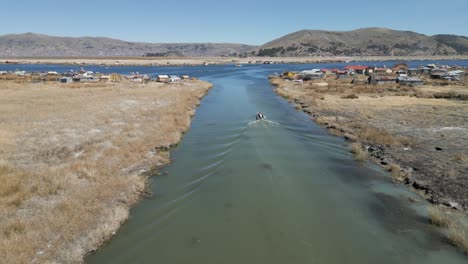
x: 238, y: 65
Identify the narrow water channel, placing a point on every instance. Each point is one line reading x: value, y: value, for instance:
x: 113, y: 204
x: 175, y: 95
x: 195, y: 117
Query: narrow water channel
x: 267, y: 193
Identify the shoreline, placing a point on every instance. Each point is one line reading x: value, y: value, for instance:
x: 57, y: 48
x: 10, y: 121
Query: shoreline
x: 100, y: 159
x: 400, y: 132
x: 198, y: 61
x: 350, y: 126
x: 149, y: 169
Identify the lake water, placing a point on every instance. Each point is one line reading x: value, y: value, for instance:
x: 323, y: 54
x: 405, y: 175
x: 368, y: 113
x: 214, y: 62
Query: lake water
x: 268, y: 193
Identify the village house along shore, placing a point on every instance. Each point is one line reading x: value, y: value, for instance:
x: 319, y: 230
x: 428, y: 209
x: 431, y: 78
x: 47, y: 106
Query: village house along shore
x: 76, y: 152
x: 85, y: 76
x: 193, y: 61
x: 411, y: 121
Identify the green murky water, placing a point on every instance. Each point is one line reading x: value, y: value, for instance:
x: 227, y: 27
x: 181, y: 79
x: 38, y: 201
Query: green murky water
x: 263, y: 193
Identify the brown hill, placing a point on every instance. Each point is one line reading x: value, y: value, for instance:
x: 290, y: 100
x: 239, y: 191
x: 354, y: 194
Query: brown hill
x: 366, y: 41
x: 37, y: 45
x: 459, y: 43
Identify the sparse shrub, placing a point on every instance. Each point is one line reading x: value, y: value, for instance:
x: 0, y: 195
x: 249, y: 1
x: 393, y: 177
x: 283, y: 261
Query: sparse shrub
x: 325, y: 120
x: 461, y: 157
x: 451, y: 173
x: 350, y: 96
x: 364, y: 89
x: 10, y: 181
x: 367, y: 114
x: 458, y: 238
x: 396, y: 172
x: 437, y: 217
x: 338, y: 89
x: 350, y: 137
x: 359, y: 153
x: 446, y: 95
x: 272, y: 52
x: 335, y: 132
x: 17, y: 227
x: 382, y: 137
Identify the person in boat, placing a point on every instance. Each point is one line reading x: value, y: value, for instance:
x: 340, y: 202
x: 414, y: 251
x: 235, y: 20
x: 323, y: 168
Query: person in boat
x: 260, y: 116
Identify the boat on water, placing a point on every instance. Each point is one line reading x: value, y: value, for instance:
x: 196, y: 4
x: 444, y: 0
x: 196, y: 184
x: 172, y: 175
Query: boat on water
x: 260, y: 116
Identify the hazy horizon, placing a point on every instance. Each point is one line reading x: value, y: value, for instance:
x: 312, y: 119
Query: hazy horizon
x: 245, y: 22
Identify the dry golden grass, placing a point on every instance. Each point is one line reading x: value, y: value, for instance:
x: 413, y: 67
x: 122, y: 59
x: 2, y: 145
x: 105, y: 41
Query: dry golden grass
x: 28, y: 79
x: 451, y: 173
x: 449, y: 91
x: 366, y: 113
x: 84, y: 85
x: 456, y: 232
x: 461, y: 157
x: 379, y: 114
x: 276, y: 81
x: 382, y: 137
x: 325, y: 120
x: 350, y: 96
x: 438, y: 217
x: 335, y: 132
x: 458, y: 238
x: 350, y: 137
x: 282, y: 93
x: 359, y: 153
x: 397, y: 173
x: 71, y: 161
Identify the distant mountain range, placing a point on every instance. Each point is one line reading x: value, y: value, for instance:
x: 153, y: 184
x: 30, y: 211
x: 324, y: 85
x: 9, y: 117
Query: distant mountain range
x: 366, y: 41
x: 360, y: 42
x: 37, y: 45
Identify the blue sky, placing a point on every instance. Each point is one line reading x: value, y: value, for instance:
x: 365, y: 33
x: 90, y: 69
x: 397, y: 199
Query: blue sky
x: 237, y: 21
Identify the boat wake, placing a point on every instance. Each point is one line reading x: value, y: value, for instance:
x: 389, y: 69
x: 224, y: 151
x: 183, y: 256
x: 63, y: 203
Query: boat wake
x: 262, y: 122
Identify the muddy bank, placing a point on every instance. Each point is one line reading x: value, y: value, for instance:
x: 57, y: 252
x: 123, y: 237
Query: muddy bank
x: 422, y: 140
x: 167, y: 61
x: 74, y: 159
